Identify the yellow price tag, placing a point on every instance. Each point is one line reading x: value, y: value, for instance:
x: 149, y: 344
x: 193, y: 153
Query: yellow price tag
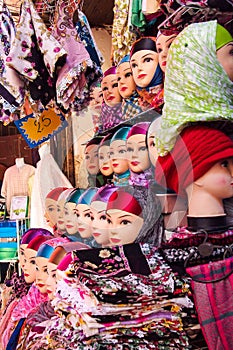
x: 38, y: 129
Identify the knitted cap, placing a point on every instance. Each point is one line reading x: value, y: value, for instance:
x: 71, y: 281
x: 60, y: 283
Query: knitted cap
x: 34, y: 232
x: 144, y: 43
x: 196, y: 150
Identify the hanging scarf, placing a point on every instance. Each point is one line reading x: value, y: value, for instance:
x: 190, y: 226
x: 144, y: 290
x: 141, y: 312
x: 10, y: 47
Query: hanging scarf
x: 196, y: 87
x: 110, y: 116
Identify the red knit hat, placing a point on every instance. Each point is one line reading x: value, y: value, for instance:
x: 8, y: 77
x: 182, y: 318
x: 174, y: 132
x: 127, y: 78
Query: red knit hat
x: 196, y: 150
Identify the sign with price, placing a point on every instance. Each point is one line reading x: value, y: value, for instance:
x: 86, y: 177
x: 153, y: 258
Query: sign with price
x: 38, y: 129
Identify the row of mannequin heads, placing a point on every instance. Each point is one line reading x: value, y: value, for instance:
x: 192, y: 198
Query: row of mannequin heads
x: 98, y: 217
x: 135, y: 71
x: 129, y: 148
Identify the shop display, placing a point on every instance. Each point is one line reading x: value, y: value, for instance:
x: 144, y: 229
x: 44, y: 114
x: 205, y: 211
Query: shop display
x: 141, y: 256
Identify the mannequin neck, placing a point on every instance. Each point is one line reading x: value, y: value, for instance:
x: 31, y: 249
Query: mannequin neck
x: 202, y: 203
x: 19, y: 162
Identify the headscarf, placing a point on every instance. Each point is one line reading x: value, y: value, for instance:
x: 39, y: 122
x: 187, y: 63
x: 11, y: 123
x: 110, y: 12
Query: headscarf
x: 196, y: 86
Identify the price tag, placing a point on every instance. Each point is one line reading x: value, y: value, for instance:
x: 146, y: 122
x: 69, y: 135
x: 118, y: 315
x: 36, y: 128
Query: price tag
x: 38, y: 129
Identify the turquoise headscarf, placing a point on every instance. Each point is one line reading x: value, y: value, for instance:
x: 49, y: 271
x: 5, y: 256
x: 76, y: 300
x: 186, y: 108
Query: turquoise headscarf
x: 196, y: 86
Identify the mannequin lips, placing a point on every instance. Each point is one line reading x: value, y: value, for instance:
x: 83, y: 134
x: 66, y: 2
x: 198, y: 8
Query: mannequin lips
x: 69, y: 226
x: 96, y: 234
x: 110, y: 98
x: 40, y: 285
x: 115, y: 165
x: 60, y: 222
x: 135, y: 163
x: 49, y: 291
x: 81, y: 229
x: 141, y: 76
x: 26, y: 275
x: 105, y: 167
x: 91, y: 167
x: 164, y: 63
x: 115, y: 240
x: 123, y: 88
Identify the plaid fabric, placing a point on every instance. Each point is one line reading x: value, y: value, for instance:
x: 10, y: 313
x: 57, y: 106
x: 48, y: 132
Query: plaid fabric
x: 214, y: 302
x: 131, y: 106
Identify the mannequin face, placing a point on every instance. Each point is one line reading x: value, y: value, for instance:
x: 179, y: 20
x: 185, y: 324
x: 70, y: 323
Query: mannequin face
x: 110, y: 90
x: 96, y: 96
x: 100, y: 227
x: 29, y: 265
x: 218, y: 181
x: 124, y: 227
x: 163, y: 44
x: 51, y: 280
x: 22, y: 255
x: 51, y: 211
x: 143, y: 64
x: 91, y: 159
x: 225, y: 57
x: 153, y: 154
x: 104, y: 160
x: 70, y: 217
x: 126, y: 83
x: 118, y: 156
x: 138, y: 155
x: 85, y: 218
x: 60, y: 215
x: 41, y: 273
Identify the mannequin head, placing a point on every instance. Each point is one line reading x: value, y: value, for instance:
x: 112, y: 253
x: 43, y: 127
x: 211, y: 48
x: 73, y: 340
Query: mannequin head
x: 144, y: 64
x: 151, y: 134
x: 118, y: 151
x: 125, y: 217
x: 137, y: 152
x: 104, y: 156
x: 135, y: 216
x: 70, y: 217
x: 126, y: 83
x: 91, y: 155
x: 205, y: 177
x: 51, y: 205
x: 29, y: 260
x: 61, y: 210
x: 96, y: 96
x: 163, y: 43
x: 100, y: 223
x: 42, y: 256
x: 27, y: 238
x: 84, y: 213
x: 109, y: 86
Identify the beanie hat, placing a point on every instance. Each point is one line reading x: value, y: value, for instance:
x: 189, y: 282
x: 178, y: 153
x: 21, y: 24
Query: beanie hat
x: 144, y: 43
x: 223, y: 37
x: 34, y: 232
x: 55, y: 193
x: 196, y: 150
x: 36, y: 242
x: 139, y: 128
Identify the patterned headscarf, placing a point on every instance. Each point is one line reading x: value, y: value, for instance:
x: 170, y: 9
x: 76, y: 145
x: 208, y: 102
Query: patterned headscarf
x: 196, y: 86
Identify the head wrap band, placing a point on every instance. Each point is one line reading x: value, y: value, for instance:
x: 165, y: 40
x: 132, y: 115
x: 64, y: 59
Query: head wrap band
x: 196, y: 150
x: 223, y: 37
x: 36, y: 242
x: 143, y: 44
x: 65, y: 262
x: 47, y: 248
x: 109, y: 71
x: 94, y: 141
x: 126, y: 58
x: 87, y: 196
x: 74, y: 196
x: 122, y: 200
x: 32, y: 233
x: 55, y: 193
x: 64, y: 195
x: 121, y: 134
x: 139, y: 128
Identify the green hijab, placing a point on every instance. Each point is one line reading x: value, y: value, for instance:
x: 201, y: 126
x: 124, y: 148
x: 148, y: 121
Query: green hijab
x: 196, y: 86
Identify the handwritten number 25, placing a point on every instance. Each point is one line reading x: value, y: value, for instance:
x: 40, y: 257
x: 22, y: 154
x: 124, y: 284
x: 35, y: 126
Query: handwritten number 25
x: 42, y: 123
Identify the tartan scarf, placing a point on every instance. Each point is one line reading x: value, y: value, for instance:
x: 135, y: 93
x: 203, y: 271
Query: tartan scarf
x: 214, y: 302
x: 131, y: 107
